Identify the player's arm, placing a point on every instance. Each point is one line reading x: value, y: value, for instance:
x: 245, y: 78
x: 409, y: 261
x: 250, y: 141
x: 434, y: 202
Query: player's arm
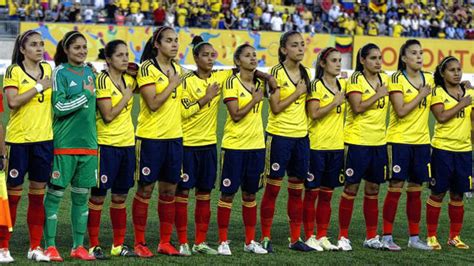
x: 109, y: 112
x: 472, y: 127
x: 404, y: 108
x: 315, y: 110
x: 443, y: 116
x: 237, y: 113
x: 359, y: 106
x: 278, y: 105
x: 16, y: 100
x: 62, y: 103
x: 3, y: 158
x: 192, y: 107
x: 155, y: 100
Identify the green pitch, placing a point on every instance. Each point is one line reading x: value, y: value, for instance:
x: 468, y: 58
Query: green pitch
x: 19, y: 242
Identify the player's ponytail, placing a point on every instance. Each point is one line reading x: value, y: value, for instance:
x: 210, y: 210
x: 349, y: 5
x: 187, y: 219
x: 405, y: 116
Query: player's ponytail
x: 305, y: 77
x: 403, y: 50
x: 283, y: 40
x: 20, y: 41
x: 363, y: 53
x: 150, y: 51
x: 198, y: 43
x: 438, y: 78
x: 323, y: 55
x: 60, y: 56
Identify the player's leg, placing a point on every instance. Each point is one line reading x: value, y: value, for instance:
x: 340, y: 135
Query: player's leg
x: 168, y: 179
x: 312, y: 184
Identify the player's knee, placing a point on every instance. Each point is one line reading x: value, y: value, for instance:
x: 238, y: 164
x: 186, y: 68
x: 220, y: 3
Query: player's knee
x: 351, y: 189
x: 119, y: 197
x: 396, y: 184
x: 438, y: 196
x: 455, y: 196
x: 79, y: 196
x: 182, y: 191
x: 371, y: 188
x: 55, y: 192
x: 167, y: 189
x: 227, y: 197
x: 203, y: 191
x: 145, y: 189
x: 97, y: 199
x: 14, y: 187
x: 248, y: 196
x: 37, y: 185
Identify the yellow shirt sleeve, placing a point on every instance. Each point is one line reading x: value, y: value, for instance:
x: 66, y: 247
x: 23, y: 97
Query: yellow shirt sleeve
x: 229, y: 93
x: 393, y: 85
x: 11, y: 78
x: 145, y: 77
x: 103, y: 91
x: 437, y: 96
x: 315, y: 94
x: 353, y: 85
x: 189, y: 107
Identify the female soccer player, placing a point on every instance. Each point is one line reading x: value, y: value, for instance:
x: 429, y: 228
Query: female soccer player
x: 29, y: 135
x: 364, y: 134
x: 287, y: 141
x: 451, y: 158
x: 159, y: 147
x: 325, y: 106
x: 75, y: 142
x: 5, y: 219
x: 116, y: 139
x: 199, y: 113
x: 409, y: 142
x: 243, y: 149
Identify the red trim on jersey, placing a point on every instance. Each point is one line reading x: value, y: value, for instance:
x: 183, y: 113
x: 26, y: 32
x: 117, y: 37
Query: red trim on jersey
x: 75, y: 151
x: 391, y: 92
x: 230, y: 99
x: 1, y: 101
x: 310, y: 100
x: 10, y: 87
x: 353, y: 92
x: 437, y: 104
x: 105, y: 98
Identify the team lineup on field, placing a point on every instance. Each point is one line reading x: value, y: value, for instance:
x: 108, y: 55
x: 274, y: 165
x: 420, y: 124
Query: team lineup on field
x: 324, y: 133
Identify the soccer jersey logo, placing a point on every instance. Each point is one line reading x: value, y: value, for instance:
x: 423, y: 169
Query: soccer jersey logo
x: 55, y: 175
x: 14, y: 173
x: 72, y: 84
x: 367, y: 91
x: 226, y: 182
x: 103, y: 179
x: 24, y: 82
x: 349, y: 172
x: 409, y: 91
x: 310, y: 177
x: 325, y: 96
x: 185, y: 177
x: 160, y: 79
x: 446, y: 101
x: 198, y: 90
x: 397, y: 168
x: 242, y: 95
x: 275, y: 167
x: 146, y: 171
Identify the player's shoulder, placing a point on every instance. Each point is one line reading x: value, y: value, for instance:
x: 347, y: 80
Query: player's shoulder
x: 128, y: 78
x: 395, y: 78
x: 274, y: 71
x: 46, y: 66
x: 11, y: 70
x: 146, y: 67
x: 384, y: 76
x: 354, y: 78
x: 342, y: 82
x: 101, y: 80
x: 438, y: 91
x: 188, y: 76
x: 229, y: 83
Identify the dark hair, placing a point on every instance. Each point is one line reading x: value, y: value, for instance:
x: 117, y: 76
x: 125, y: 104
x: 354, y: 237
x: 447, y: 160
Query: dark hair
x: 150, y: 51
x: 110, y: 49
x: 20, y: 41
x: 323, y: 55
x: 403, y: 50
x: 282, y: 57
x: 237, y: 54
x: 198, y: 43
x: 363, y: 53
x: 438, y: 79
x: 60, y: 56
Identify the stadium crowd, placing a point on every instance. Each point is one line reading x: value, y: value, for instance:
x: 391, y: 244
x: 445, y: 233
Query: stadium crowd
x: 443, y: 19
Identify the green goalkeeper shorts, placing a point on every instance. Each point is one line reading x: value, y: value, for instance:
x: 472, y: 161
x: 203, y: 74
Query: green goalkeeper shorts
x: 78, y: 170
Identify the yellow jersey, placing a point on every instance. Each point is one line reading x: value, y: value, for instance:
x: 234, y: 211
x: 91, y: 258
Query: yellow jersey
x: 413, y: 128
x: 120, y: 131
x: 367, y: 128
x: 32, y: 122
x: 145, y: 6
x: 326, y: 133
x: 455, y: 134
x: 134, y: 7
x: 164, y: 123
x: 246, y: 134
x: 182, y: 14
x: 291, y: 122
x: 200, y: 122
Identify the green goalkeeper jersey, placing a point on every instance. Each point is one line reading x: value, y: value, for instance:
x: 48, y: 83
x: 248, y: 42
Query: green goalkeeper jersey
x: 74, y: 108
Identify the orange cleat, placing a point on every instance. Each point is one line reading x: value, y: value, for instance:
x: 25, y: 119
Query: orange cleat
x: 81, y: 253
x: 143, y: 251
x: 53, y: 254
x: 167, y: 249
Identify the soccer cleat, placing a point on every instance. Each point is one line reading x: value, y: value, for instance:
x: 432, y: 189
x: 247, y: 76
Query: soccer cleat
x: 457, y: 243
x: 255, y: 247
x: 37, y: 254
x: 326, y: 244
x: 98, y: 253
x: 313, y: 243
x: 299, y: 245
x: 122, y: 251
x: 143, y: 251
x: 81, y: 253
x: 267, y: 244
x: 373, y: 243
x: 389, y: 244
x: 415, y: 242
x: 53, y: 254
x: 203, y: 248
x: 432, y: 241
x: 344, y: 244
x: 184, y: 250
x: 224, y: 249
x: 5, y: 256
x: 167, y: 249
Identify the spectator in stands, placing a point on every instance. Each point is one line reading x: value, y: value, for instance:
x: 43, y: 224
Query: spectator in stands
x: 159, y: 16
x: 289, y: 25
x: 392, y: 13
x: 88, y: 13
x: 244, y: 22
x: 406, y: 23
x: 460, y: 32
x: 372, y: 28
x: 266, y: 20
x: 182, y: 14
x: 450, y: 32
x: 137, y: 19
x: 119, y: 18
x: 397, y: 29
x: 383, y: 29
x: 334, y: 13
x: 111, y: 9
x: 229, y: 20
x: 360, y: 28
x: 415, y: 26
x: 276, y: 22
x: 425, y: 26
x: 170, y: 16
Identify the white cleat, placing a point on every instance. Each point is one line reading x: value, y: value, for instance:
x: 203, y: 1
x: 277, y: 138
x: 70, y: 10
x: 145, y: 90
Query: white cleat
x: 313, y: 243
x: 37, y: 254
x: 344, y: 244
x: 326, y: 244
x: 5, y: 256
x: 224, y: 249
x: 373, y: 243
x: 255, y: 247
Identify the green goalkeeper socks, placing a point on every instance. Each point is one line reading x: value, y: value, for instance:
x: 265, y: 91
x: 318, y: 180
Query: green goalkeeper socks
x: 79, y: 214
x: 51, y: 206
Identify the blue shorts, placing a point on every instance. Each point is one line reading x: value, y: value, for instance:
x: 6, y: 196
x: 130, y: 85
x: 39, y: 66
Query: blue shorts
x: 159, y: 160
x: 366, y: 162
x: 409, y: 162
x: 116, y: 170
x: 290, y: 155
x: 242, y: 168
x: 199, y: 168
x: 325, y: 169
x: 451, y: 171
x: 36, y: 159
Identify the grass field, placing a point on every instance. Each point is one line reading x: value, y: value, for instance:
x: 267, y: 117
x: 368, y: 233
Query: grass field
x: 19, y: 241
